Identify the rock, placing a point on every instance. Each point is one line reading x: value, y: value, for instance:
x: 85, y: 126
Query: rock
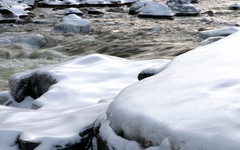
x: 235, y: 6
x: 218, y: 32
x: 23, y: 39
x: 94, y: 11
x: 211, y: 40
x: 73, y: 23
x: 7, y: 16
x: 209, y: 13
x: 183, y: 8
x: 73, y: 11
x: 151, y: 10
x: 34, y: 85
x: 194, y: 1
x: 117, y: 10
x: 206, y: 20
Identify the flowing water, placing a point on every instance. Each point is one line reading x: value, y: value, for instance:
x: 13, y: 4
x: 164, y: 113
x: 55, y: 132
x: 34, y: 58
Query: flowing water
x: 114, y: 33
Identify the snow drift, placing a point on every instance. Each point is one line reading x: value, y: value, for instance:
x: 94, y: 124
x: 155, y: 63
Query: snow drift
x: 192, y: 104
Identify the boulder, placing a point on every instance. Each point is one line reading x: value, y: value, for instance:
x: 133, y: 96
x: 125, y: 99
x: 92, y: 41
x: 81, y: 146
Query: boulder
x: 94, y: 11
x: 151, y: 10
x: 7, y: 16
x: 183, y: 8
x: 235, y: 6
x: 73, y: 11
x: 218, y: 32
x: 73, y: 23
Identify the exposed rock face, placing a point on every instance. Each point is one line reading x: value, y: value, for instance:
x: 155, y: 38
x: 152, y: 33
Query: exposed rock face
x: 183, y: 8
x: 34, y: 85
x: 151, y: 10
x: 7, y: 16
x: 73, y: 23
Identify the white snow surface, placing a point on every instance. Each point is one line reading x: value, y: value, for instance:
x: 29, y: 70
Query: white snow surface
x: 87, y: 80
x: 48, y: 127
x: 73, y: 23
x: 218, y: 32
x: 193, y: 103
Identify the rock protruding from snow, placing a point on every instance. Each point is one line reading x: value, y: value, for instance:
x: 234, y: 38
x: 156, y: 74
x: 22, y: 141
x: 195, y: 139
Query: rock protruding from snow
x: 193, y: 103
x: 235, y: 6
x: 80, y: 82
x: 218, y: 32
x: 151, y: 10
x: 73, y: 23
x: 183, y: 8
x: 211, y: 40
x: 23, y: 39
x: 73, y: 11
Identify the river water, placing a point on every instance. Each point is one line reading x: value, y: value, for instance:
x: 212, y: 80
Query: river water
x: 114, y: 33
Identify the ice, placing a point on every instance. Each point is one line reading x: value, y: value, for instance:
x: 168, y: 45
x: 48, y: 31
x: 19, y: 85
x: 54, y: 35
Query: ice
x: 193, y: 102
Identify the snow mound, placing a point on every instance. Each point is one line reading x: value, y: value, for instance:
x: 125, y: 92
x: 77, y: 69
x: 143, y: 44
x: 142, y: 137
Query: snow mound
x: 79, y: 82
x: 73, y: 23
x: 218, y: 32
x: 193, y: 104
x: 23, y: 39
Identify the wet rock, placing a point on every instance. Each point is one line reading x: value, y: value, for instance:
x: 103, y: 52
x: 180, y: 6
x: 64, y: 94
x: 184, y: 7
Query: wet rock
x: 209, y: 13
x: 183, y: 8
x: 151, y: 10
x: 117, y: 10
x: 206, y: 20
x: 218, y: 32
x: 7, y: 16
x: 23, y: 39
x: 73, y: 23
x: 33, y: 84
x: 235, y: 6
x: 73, y: 11
x: 94, y: 11
x: 211, y: 40
x: 194, y: 1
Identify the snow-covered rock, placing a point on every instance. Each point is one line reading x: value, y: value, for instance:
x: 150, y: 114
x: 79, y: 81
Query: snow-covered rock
x: 211, y: 40
x: 23, y: 39
x: 73, y: 11
x: 193, y: 104
x: 73, y: 23
x: 235, y: 6
x: 218, y: 32
x: 149, y: 9
x: 183, y: 7
x: 7, y: 16
x: 79, y: 82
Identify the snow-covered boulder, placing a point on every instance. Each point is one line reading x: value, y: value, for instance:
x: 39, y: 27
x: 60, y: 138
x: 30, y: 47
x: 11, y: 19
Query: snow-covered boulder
x: 79, y: 82
x: 235, y: 6
x: 218, y: 32
x: 23, y: 39
x: 149, y: 9
x: 193, y: 104
x: 211, y: 40
x: 73, y: 11
x: 183, y: 8
x: 73, y: 23
x: 7, y: 16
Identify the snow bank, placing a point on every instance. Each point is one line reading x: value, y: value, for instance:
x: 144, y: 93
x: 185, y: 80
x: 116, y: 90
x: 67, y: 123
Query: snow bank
x: 49, y: 128
x: 80, y: 82
x: 73, y: 23
x: 193, y: 103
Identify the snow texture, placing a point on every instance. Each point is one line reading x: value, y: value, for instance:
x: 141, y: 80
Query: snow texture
x: 193, y: 103
x: 86, y: 80
x: 73, y: 23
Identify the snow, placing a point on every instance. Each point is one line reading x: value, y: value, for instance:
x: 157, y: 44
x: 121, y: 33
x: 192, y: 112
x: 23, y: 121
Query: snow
x: 193, y: 102
x: 73, y: 23
x: 73, y: 11
x: 218, y: 32
x: 48, y: 127
x: 86, y: 80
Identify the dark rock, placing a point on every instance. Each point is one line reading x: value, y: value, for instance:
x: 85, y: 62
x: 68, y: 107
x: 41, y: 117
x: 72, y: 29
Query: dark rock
x: 234, y: 7
x: 194, y: 1
x: 94, y: 11
x: 144, y: 75
x: 183, y: 8
x: 33, y: 84
x: 8, y: 16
